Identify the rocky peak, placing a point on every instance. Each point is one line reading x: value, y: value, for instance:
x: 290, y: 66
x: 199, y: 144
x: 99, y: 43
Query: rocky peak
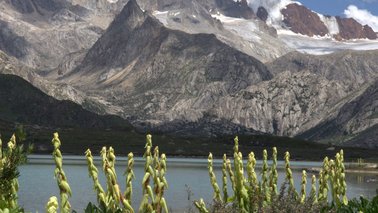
x: 303, y: 21
x: 351, y: 29
x: 131, y: 15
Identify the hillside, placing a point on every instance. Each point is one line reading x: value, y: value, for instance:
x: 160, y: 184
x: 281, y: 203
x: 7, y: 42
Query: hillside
x: 23, y: 103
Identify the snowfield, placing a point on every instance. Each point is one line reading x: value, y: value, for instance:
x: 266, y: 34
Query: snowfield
x: 323, y: 45
x: 246, y: 29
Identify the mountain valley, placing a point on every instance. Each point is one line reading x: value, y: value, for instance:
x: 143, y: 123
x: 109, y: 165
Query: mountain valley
x: 198, y: 68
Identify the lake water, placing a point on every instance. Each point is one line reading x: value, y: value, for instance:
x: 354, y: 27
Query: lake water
x: 37, y: 181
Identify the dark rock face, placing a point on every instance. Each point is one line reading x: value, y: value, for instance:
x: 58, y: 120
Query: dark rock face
x: 302, y: 20
x: 351, y: 29
x: 239, y: 9
x: 369, y: 32
x: 262, y: 13
x: 30, y: 6
x: 11, y: 43
x: 22, y: 6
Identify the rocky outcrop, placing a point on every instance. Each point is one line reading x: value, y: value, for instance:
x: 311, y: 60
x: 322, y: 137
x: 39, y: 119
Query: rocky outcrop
x: 238, y: 9
x: 300, y: 19
x: 11, y: 43
x: 354, y: 123
x: 262, y: 14
x: 351, y: 29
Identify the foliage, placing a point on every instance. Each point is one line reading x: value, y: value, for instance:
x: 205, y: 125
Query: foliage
x: 112, y: 199
x: 10, y: 158
x: 251, y: 195
x: 357, y: 205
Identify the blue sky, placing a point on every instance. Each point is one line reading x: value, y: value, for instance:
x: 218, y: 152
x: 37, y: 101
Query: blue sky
x: 337, y: 7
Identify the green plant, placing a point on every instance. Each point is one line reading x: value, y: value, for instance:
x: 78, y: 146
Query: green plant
x: 250, y: 195
x: 360, y: 205
x: 112, y: 200
x: 273, y: 174
x: 52, y: 205
x: 60, y: 175
x: 323, y: 181
x: 213, y: 179
x: 11, y: 158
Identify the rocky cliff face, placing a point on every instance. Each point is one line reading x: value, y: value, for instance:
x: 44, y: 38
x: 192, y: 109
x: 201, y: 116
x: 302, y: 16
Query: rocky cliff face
x: 351, y: 68
x: 355, y: 123
x: 41, y: 33
x: 351, y: 29
x: 302, y: 20
x: 348, y: 116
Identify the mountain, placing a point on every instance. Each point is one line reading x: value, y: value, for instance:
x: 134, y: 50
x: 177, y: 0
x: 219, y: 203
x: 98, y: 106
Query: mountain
x: 204, y: 68
x: 302, y: 20
x: 41, y: 33
x: 345, y: 76
x: 23, y: 103
x: 356, y: 122
x: 157, y: 74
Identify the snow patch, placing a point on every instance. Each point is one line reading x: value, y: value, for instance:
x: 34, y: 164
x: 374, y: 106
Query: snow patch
x: 162, y: 16
x: 323, y: 45
x: 331, y: 24
x: 175, y: 13
x: 156, y: 12
x: 112, y: 1
x: 246, y: 29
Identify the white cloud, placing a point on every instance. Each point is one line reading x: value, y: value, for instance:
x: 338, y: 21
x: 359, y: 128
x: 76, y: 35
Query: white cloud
x: 362, y: 16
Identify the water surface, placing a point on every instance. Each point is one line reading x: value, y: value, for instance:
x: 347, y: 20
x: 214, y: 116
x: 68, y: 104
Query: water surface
x: 187, y: 178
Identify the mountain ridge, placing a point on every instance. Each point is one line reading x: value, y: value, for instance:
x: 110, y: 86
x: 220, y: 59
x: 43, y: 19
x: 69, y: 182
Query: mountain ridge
x: 207, y: 68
